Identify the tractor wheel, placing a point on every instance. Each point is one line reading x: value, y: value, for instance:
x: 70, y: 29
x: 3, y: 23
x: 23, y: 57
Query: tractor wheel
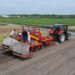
x: 40, y: 47
x: 68, y: 37
x: 61, y: 38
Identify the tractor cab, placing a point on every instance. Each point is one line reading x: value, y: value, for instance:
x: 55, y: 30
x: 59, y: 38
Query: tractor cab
x: 57, y: 28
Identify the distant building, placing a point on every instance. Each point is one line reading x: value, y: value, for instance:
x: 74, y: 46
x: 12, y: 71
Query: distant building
x: 5, y: 16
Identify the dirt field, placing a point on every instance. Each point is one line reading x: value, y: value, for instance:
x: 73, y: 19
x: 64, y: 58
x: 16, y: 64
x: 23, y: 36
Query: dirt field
x: 55, y: 60
x: 58, y: 59
x: 7, y: 29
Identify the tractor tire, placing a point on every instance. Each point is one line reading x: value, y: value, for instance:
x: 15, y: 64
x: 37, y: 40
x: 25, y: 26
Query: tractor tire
x: 68, y: 37
x: 61, y: 38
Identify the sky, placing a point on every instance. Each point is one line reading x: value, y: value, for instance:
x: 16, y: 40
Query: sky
x: 37, y: 7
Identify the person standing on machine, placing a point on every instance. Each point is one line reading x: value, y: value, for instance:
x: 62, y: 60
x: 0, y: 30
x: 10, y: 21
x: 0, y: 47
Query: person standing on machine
x: 13, y: 33
x: 25, y: 35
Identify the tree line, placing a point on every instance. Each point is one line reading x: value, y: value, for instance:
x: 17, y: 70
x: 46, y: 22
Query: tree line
x: 40, y: 16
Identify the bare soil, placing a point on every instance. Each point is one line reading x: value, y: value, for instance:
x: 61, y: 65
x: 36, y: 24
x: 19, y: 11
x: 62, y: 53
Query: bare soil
x: 54, y: 60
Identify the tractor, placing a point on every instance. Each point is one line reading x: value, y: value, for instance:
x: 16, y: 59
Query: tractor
x: 60, y: 32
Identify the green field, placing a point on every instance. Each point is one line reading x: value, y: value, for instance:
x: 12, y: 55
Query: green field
x: 38, y: 21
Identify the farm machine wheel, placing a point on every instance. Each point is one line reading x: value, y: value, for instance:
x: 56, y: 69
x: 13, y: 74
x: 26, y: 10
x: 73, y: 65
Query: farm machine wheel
x: 61, y: 38
x: 68, y: 37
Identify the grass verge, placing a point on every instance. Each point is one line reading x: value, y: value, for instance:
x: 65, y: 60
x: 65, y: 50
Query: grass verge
x: 2, y: 36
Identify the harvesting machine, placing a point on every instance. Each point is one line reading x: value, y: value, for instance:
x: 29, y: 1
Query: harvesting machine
x: 24, y: 49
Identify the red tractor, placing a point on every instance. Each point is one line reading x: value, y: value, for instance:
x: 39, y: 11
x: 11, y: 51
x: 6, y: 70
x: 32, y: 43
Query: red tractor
x: 60, y: 33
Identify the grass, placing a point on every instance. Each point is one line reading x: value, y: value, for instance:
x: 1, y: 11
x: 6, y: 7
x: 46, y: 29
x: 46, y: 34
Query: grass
x: 38, y: 21
x: 2, y: 36
x: 72, y: 30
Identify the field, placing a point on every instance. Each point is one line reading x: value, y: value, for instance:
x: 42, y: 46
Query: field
x: 58, y: 59
x: 38, y: 21
x: 54, y: 60
x: 5, y: 31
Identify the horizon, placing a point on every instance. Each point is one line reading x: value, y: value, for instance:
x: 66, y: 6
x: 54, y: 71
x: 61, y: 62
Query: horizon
x: 34, y: 14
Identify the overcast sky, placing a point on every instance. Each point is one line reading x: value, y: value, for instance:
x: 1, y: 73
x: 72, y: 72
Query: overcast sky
x: 37, y: 6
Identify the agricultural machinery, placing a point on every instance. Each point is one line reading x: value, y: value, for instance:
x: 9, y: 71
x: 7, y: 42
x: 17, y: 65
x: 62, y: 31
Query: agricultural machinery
x: 60, y: 33
x: 24, y: 49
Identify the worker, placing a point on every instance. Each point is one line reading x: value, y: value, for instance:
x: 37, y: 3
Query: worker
x: 13, y: 33
x: 19, y: 37
x: 25, y: 35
